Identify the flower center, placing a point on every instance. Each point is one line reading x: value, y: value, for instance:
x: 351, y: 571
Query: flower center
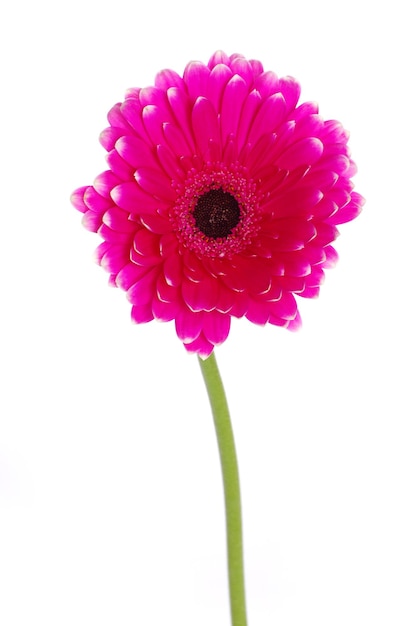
x: 216, y: 213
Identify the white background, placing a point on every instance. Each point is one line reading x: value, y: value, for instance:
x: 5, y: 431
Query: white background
x: 110, y: 493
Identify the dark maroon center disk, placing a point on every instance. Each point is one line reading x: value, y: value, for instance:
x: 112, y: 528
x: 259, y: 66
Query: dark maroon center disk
x: 217, y: 213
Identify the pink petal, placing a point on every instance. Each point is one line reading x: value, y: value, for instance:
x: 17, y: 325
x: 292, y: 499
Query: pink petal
x: 257, y: 158
x: 257, y: 312
x: 136, y: 152
x: 100, y: 251
x: 243, y: 68
x: 286, y: 308
x: 144, y: 260
x: 225, y: 300
x: 201, y: 346
x: 117, y: 119
x: 109, y: 136
x: 313, y: 282
x: 132, y: 198
x: 294, y: 324
x: 77, y: 199
x: 257, y: 67
x: 169, y: 162
x: 251, y: 275
x: 132, y: 92
x: 165, y: 292
x: 331, y: 257
x: 168, y: 78
x: 205, y: 124
x: 229, y: 154
x: 132, y: 110
x: 269, y: 116
x: 144, y: 289
x: 169, y: 246
x: 301, y: 230
x: 193, y: 267
x: 291, y: 90
x: 176, y: 141
x: 348, y: 212
x: 240, y: 304
x: 299, y: 201
x: 267, y: 83
x: 164, y: 311
x: 129, y: 275
x: 196, y: 77
x: 217, y: 81
x: 173, y: 270
x: 153, y: 123
x: 201, y: 296
x: 310, y: 292
x: 115, y: 258
x: 141, y: 314
x: 114, y: 236
x: 166, y: 302
x: 304, y: 110
x: 310, y: 126
x: 234, y: 96
x: 156, y: 96
x: 188, y: 325
x: 216, y: 327
x: 335, y: 133
x: 321, y: 178
x: 156, y: 223
x: 95, y: 202
x: 219, y: 57
x: 155, y: 182
x: 146, y: 243
x: 120, y: 168
x: 104, y: 183
x: 273, y: 294
x: 338, y: 163
x: 181, y: 108
x: 249, y: 109
x: 91, y: 221
x: 303, y: 152
x: 292, y: 284
x: 325, y: 234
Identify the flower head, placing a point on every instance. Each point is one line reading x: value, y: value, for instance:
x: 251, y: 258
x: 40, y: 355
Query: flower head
x: 221, y: 199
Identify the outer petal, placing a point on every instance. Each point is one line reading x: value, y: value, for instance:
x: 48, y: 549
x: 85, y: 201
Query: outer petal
x: 201, y: 346
x: 77, y: 199
x: 234, y: 96
x: 188, y: 325
x: 168, y: 78
x: 136, y: 152
x: 349, y: 211
x: 249, y: 109
x: 196, y: 77
x: 290, y: 89
x: 218, y: 79
x: 269, y: 117
x: 205, y: 124
x: 134, y: 199
x: 216, y: 327
x: 181, y: 107
x: 303, y: 152
x: 201, y: 296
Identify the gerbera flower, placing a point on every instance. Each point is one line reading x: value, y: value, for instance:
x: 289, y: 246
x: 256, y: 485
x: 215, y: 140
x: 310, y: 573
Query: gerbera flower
x: 221, y: 199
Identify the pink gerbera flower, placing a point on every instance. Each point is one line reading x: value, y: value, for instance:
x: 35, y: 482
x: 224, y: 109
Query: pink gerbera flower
x: 221, y: 200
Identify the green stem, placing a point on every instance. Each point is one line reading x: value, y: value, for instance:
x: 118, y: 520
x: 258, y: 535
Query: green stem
x: 230, y: 477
